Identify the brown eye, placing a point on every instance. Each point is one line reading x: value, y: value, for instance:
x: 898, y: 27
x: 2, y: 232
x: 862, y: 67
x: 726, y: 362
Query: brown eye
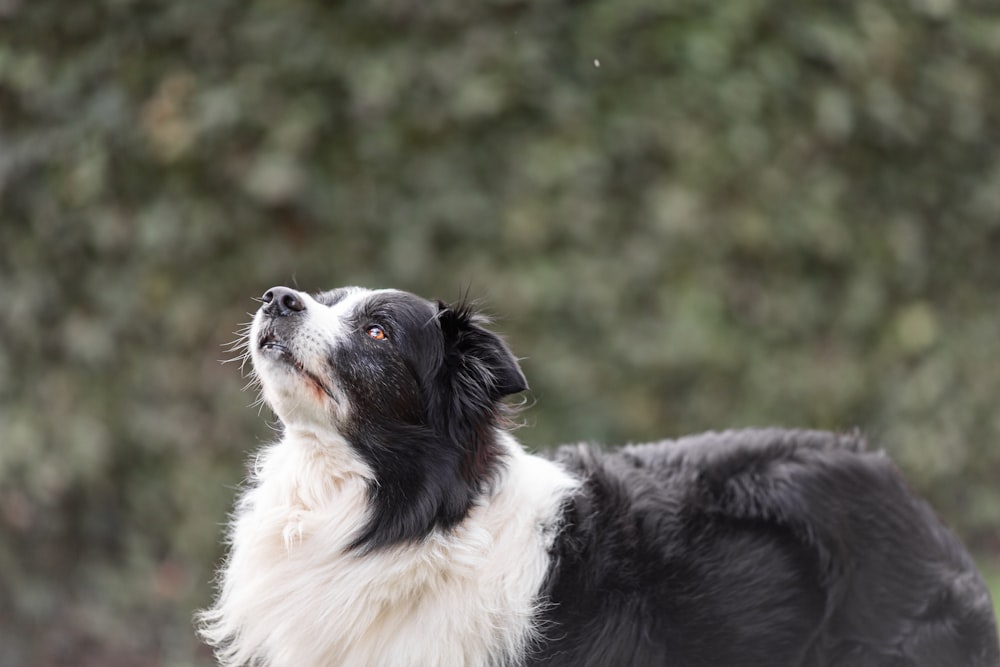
x: 376, y: 332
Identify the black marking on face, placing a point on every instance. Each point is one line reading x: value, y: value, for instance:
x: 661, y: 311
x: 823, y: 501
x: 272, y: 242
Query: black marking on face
x: 425, y: 403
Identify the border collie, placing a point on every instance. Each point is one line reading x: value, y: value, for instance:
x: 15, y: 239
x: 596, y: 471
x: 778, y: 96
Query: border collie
x: 398, y: 522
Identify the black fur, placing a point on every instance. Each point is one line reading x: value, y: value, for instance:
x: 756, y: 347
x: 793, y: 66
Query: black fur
x: 425, y: 406
x: 758, y: 548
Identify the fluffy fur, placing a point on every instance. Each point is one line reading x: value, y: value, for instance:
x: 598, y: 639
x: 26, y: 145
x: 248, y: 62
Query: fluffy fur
x: 397, y: 522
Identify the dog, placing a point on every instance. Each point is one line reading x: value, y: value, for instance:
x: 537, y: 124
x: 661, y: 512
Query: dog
x: 398, y: 522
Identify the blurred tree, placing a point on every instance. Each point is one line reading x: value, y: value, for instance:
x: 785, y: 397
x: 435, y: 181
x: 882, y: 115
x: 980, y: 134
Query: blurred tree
x: 687, y: 215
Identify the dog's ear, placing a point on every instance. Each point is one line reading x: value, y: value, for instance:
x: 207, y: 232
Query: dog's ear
x: 478, y: 355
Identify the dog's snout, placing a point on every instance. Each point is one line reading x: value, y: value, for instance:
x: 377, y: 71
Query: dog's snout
x: 282, y: 301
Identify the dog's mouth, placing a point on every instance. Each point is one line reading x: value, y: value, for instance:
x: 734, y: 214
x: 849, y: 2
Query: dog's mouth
x: 276, y: 348
x: 269, y: 342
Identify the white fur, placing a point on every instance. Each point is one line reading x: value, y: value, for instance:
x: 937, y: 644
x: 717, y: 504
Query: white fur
x: 293, y: 597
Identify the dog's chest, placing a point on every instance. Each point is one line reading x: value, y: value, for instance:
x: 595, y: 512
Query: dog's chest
x: 314, y: 603
x: 294, y: 594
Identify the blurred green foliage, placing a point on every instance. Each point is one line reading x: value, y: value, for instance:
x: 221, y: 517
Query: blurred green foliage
x: 685, y: 214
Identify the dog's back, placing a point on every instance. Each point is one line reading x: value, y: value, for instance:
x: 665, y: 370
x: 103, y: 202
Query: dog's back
x: 762, y: 547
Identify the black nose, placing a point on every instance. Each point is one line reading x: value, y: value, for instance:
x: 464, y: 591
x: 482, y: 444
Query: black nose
x: 281, y: 302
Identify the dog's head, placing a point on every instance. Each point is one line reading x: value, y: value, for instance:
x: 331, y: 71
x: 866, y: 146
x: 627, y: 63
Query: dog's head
x: 414, y: 387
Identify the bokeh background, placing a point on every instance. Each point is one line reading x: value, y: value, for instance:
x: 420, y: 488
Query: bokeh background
x: 684, y: 214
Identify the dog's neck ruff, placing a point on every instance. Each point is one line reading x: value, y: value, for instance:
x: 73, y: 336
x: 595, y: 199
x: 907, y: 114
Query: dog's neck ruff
x: 294, y: 595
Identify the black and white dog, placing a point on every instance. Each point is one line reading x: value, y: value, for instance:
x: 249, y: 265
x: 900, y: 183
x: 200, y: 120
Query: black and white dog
x: 397, y: 522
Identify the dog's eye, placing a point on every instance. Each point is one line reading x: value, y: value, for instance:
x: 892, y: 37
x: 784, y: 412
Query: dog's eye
x: 376, y: 332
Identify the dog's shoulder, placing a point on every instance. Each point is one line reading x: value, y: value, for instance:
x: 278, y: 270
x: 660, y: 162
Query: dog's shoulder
x: 650, y: 525
x: 672, y: 499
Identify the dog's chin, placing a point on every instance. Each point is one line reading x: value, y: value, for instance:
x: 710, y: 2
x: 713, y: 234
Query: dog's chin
x: 296, y: 394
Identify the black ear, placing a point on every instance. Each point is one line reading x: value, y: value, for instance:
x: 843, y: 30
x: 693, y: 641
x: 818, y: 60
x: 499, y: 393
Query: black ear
x: 479, y: 355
